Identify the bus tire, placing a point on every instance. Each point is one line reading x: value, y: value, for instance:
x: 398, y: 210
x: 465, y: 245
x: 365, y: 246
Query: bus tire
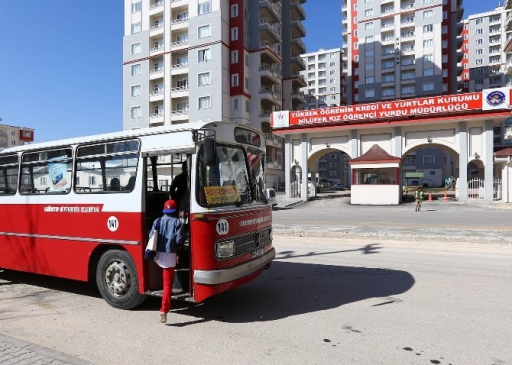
x: 117, y: 280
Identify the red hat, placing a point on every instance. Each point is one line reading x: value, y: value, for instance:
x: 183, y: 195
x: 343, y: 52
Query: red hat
x: 169, y: 206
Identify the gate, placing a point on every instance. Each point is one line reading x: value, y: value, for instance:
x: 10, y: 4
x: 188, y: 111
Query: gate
x: 476, y: 189
x: 497, y: 190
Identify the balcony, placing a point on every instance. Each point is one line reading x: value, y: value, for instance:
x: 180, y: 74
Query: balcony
x: 296, y: 58
x: 297, y: 9
x: 156, y: 95
x: 299, y: 95
x: 179, y: 68
x: 157, y: 117
x: 297, y: 24
x: 271, y: 72
x: 180, y: 23
x: 270, y: 9
x: 158, y: 48
x: 156, y: 8
x: 179, y: 115
x: 272, y: 50
x: 299, y: 44
x: 508, y: 44
x: 265, y: 116
x: 298, y: 79
x: 156, y: 73
x: 179, y: 43
x: 273, y: 30
x: 270, y: 94
x: 179, y: 92
x: 157, y: 29
x: 508, y: 68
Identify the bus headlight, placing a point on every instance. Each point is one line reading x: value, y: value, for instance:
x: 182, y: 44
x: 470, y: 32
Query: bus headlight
x: 225, y: 249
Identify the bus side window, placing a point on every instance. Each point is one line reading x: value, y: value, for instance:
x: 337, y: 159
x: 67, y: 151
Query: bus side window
x: 46, y: 171
x: 9, y: 166
x: 108, y: 167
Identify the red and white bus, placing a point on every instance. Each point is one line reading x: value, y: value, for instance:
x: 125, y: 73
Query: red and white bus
x: 64, y: 214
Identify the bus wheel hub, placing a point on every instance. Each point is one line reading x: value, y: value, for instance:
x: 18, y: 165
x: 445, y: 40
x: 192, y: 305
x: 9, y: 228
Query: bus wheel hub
x: 118, y: 278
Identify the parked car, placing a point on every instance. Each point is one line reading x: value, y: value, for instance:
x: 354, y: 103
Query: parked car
x: 271, y: 196
x: 336, y: 187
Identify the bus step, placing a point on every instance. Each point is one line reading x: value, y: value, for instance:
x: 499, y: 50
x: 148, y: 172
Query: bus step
x: 176, y: 293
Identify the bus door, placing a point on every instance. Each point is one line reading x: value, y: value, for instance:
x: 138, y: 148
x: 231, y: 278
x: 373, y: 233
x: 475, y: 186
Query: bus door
x: 161, y: 170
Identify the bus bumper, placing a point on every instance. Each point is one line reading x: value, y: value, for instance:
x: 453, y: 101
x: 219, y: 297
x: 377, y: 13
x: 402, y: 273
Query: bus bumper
x: 213, y: 277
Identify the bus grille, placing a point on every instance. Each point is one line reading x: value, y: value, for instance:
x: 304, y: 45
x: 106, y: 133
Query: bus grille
x: 252, y: 241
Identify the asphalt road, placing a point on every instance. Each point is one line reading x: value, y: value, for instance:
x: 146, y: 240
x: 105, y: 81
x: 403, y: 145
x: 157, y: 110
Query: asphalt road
x: 331, y: 214
x: 324, y: 301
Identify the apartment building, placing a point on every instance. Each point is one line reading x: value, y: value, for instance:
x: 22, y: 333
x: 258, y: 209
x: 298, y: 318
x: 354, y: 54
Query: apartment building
x: 188, y: 60
x: 11, y: 136
x: 398, y: 49
x: 323, y: 75
x: 486, y: 63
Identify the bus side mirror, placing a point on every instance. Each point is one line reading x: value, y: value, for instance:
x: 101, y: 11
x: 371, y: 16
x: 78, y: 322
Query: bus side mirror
x: 209, y: 151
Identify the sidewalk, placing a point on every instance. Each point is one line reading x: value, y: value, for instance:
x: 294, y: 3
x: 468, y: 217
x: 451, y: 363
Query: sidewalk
x: 18, y: 352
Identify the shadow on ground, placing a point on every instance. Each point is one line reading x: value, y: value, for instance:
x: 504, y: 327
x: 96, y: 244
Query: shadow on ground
x: 291, y: 288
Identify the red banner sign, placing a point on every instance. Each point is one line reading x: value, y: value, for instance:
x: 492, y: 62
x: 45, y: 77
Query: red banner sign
x: 445, y: 104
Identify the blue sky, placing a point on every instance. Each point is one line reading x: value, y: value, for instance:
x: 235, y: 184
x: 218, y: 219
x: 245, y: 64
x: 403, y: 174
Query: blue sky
x: 61, y: 61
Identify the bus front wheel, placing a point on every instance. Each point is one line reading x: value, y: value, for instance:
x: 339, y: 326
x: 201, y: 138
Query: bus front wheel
x: 117, y: 281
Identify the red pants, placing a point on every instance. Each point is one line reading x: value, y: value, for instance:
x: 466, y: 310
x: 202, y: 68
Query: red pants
x: 166, y: 297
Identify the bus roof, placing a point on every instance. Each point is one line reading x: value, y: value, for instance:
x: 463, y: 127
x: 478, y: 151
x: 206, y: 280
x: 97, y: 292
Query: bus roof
x: 121, y: 134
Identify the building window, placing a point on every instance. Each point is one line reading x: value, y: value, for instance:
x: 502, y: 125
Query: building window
x: 369, y: 80
x: 136, y: 48
x: 234, y: 10
x: 136, y: 28
x: 203, y: 79
x: 429, y: 160
x: 369, y: 52
x: 204, y: 55
x: 204, y: 8
x: 204, y: 31
x: 235, y: 104
x: 428, y: 86
x: 428, y: 14
x: 368, y: 12
x: 136, y: 7
x: 479, y: 21
x: 428, y: 72
x: 247, y: 106
x: 428, y: 28
x: 136, y: 70
x: 407, y: 90
x: 234, y: 56
x: 428, y: 43
x: 234, y: 34
x: 369, y: 93
x: 369, y: 66
x: 136, y: 112
x: 234, y: 80
x: 204, y: 102
x: 388, y: 92
x: 428, y: 57
x: 136, y: 90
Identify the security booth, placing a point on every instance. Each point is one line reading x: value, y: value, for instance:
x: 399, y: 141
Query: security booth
x: 375, y: 178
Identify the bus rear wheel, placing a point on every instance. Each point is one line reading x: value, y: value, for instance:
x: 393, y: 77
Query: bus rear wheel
x: 117, y: 281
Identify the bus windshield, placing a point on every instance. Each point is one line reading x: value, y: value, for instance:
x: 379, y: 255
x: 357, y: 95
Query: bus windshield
x: 230, y: 181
